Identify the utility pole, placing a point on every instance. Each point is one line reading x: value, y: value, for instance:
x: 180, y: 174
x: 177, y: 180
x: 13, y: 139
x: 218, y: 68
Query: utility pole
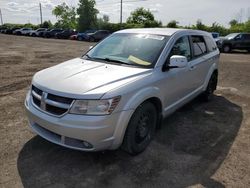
x: 121, y: 14
x: 41, y: 14
x: 1, y: 17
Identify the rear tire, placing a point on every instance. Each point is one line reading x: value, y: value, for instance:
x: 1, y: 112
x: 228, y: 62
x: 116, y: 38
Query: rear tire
x: 141, y: 128
x: 211, y: 87
x: 227, y: 49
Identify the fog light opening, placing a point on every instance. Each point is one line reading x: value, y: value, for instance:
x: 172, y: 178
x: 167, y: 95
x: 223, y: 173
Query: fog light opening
x: 87, y: 145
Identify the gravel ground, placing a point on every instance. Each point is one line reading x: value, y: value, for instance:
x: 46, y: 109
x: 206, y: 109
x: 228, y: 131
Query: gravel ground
x: 201, y: 145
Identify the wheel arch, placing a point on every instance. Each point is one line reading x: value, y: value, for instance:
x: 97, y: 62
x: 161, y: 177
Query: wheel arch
x: 212, y: 70
x: 120, y: 130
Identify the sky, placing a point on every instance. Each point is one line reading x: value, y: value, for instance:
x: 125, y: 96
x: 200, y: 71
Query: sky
x: 186, y: 12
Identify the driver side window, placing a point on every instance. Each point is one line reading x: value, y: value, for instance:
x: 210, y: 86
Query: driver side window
x: 182, y: 47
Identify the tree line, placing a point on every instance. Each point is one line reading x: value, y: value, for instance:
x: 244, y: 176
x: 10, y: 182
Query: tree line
x: 84, y: 17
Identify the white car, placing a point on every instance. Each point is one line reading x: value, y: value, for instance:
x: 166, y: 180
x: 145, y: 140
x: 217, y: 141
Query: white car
x: 117, y: 93
x: 35, y: 33
x: 23, y: 31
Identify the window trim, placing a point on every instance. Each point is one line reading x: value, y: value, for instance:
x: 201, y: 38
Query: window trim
x: 191, y: 54
x: 206, y: 41
x: 196, y: 57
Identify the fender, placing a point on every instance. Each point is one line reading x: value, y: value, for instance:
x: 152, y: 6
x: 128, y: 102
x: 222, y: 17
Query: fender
x: 209, y: 74
x: 141, y: 96
x: 137, y: 99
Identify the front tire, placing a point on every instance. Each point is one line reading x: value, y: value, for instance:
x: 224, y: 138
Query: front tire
x: 80, y: 38
x: 211, y: 87
x: 141, y: 128
x: 91, y: 39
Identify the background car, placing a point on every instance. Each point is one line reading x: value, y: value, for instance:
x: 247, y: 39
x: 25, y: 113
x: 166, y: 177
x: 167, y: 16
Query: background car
x: 239, y: 41
x: 73, y: 37
x: 215, y: 35
x: 11, y: 30
x: 3, y: 30
x: 65, y: 34
x: 84, y: 36
x: 36, y: 32
x: 22, y: 31
x: 98, y: 35
x: 51, y: 33
x: 41, y: 33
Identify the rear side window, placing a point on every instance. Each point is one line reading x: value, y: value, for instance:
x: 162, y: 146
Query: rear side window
x: 246, y: 36
x: 199, y: 45
x: 211, y: 46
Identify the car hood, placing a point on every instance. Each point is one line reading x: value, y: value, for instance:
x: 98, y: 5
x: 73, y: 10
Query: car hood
x: 78, y: 78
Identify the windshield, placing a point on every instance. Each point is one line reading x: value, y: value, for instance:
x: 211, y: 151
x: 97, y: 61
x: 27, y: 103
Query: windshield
x: 232, y: 35
x: 132, y: 49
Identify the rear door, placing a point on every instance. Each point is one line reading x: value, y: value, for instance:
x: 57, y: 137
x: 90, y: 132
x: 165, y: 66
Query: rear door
x: 238, y: 42
x: 246, y: 41
x: 200, y: 63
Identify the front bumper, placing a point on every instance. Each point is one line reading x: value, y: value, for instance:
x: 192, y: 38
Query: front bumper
x: 81, y: 132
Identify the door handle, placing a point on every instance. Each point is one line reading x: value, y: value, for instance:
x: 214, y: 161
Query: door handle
x: 192, y: 67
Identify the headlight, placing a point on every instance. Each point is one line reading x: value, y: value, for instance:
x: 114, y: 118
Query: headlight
x: 95, y: 107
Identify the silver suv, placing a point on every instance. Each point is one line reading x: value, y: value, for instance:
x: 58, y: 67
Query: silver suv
x: 118, y: 92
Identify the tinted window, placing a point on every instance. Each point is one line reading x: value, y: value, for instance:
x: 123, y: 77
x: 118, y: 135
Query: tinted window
x: 246, y: 36
x: 211, y: 46
x: 199, y: 46
x: 182, y: 47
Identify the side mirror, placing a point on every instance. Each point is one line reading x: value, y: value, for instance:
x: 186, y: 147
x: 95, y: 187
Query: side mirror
x: 90, y: 47
x: 177, y: 61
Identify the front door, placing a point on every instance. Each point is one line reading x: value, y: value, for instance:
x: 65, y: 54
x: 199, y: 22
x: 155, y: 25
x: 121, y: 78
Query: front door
x: 177, y: 83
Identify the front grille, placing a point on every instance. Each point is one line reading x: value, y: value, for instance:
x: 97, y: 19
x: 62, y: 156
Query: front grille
x: 55, y: 110
x: 53, y: 104
x: 60, y: 99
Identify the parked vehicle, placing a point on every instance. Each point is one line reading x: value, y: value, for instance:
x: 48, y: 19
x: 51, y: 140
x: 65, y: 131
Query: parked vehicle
x: 240, y: 41
x: 22, y: 31
x: 41, y: 33
x: 84, y: 36
x: 65, y: 34
x: 11, y: 30
x: 117, y: 93
x: 51, y: 33
x: 36, y: 32
x: 215, y: 35
x: 73, y: 37
x: 4, y: 30
x: 98, y: 35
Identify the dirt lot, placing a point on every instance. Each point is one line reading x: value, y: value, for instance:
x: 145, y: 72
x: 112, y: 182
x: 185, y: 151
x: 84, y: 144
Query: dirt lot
x: 201, y: 145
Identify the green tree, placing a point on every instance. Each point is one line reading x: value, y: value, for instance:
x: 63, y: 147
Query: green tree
x: 143, y: 17
x: 103, y: 23
x: 105, y: 18
x: 87, y: 15
x: 65, y: 15
x: 173, y: 24
x: 233, y: 22
x: 200, y: 25
x: 46, y: 24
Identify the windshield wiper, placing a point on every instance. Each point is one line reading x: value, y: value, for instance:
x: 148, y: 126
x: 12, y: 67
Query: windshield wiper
x: 107, y: 60
x: 115, y: 61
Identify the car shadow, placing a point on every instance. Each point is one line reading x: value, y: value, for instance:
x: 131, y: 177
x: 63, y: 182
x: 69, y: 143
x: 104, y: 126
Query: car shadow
x: 188, y: 149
